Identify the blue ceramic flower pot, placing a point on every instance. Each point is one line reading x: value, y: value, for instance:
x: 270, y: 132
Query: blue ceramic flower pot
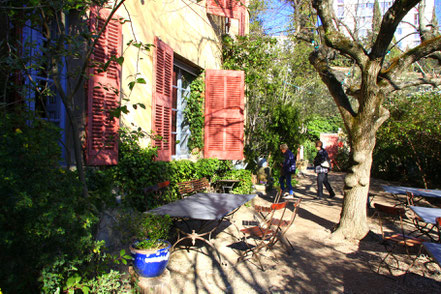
x: 150, y: 263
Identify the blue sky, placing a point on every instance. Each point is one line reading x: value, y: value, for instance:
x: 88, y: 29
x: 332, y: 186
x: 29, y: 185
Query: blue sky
x: 276, y: 19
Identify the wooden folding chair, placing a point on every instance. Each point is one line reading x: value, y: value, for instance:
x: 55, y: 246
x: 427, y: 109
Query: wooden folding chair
x: 397, y: 239
x: 263, y: 210
x: 269, y: 233
x: 285, y: 224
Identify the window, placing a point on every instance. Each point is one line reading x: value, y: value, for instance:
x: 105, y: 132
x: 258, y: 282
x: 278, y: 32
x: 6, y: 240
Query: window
x: 180, y: 132
x: 224, y: 107
x: 340, y: 11
x: 229, y: 9
x: 41, y: 94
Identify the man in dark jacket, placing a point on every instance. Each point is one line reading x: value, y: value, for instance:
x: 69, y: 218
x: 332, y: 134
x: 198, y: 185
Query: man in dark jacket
x: 288, y: 168
x: 322, y: 170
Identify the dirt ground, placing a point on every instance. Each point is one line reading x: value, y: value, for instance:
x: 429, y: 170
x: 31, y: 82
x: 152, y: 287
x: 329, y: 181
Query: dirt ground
x: 316, y: 265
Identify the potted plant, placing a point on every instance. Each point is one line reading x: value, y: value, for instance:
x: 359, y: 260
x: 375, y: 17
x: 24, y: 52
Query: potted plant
x: 151, y: 250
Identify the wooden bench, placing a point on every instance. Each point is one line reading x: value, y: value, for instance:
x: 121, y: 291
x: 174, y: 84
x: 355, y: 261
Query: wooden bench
x: 193, y: 186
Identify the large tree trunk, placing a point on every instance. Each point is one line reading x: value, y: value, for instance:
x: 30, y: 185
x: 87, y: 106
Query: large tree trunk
x: 353, y: 219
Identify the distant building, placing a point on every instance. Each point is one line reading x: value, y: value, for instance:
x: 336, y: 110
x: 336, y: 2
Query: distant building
x: 357, y: 15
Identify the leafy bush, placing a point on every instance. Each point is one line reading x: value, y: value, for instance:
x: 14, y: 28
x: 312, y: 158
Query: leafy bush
x: 408, y: 146
x: 137, y: 170
x: 310, y: 151
x: 342, y: 159
x: 152, y: 230
x: 44, y: 220
x: 111, y: 282
x: 209, y: 167
x: 245, y: 180
x: 284, y: 128
x: 135, y: 226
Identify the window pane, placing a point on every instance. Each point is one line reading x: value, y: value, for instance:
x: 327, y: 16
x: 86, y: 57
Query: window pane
x: 181, y: 85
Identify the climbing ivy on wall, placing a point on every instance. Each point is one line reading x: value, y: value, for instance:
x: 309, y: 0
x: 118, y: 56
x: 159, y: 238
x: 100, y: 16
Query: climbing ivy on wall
x: 194, y: 114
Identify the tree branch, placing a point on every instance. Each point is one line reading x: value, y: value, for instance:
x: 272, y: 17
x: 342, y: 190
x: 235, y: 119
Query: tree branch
x: 334, y: 38
x: 389, y: 24
x: 396, y: 85
x: 318, y: 60
x: 399, y: 64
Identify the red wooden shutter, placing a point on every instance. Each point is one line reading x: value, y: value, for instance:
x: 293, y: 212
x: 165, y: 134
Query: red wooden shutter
x: 225, y: 8
x: 103, y: 92
x: 162, y: 99
x: 243, y: 11
x: 224, y: 114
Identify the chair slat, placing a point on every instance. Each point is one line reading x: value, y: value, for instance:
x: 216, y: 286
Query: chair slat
x: 193, y: 186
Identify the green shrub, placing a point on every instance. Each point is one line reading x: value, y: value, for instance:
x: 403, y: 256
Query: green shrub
x: 245, y: 180
x: 407, y: 147
x: 137, y: 170
x: 342, y: 159
x: 111, y: 282
x: 153, y: 230
x: 44, y: 221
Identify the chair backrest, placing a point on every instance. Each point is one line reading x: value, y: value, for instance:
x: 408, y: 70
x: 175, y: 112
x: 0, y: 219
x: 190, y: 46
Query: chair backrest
x: 277, y: 226
x: 260, y: 208
x: 292, y: 218
x: 193, y: 186
x: 278, y: 206
x: 394, y: 212
x: 156, y: 188
x: 275, y: 207
x: 409, y: 198
x: 268, y: 227
x: 278, y: 195
x: 390, y: 210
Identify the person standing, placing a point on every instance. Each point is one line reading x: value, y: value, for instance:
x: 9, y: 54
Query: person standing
x: 322, y: 171
x: 288, y: 169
